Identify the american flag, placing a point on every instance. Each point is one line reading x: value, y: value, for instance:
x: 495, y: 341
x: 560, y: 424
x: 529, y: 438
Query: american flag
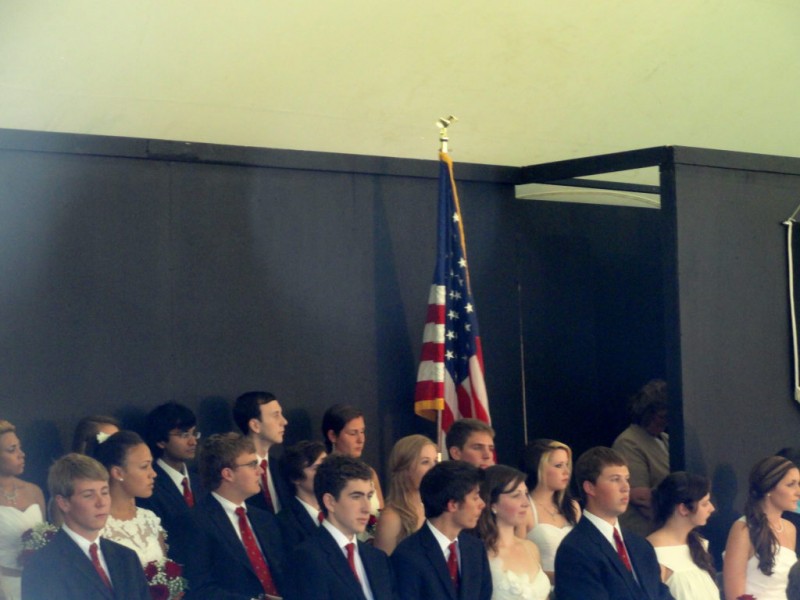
x: 450, y: 376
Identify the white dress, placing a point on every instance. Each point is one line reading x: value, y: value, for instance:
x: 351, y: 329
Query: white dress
x: 141, y: 534
x: 547, y: 538
x: 688, y: 581
x: 771, y: 587
x: 508, y: 585
x: 13, y: 523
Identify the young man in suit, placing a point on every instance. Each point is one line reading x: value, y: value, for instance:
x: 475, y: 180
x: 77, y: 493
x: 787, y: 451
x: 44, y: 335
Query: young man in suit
x: 332, y: 564
x: 441, y: 561
x: 301, y: 515
x: 259, y: 416
x: 472, y: 441
x: 171, y: 432
x: 598, y: 560
x: 77, y: 564
x: 236, y: 550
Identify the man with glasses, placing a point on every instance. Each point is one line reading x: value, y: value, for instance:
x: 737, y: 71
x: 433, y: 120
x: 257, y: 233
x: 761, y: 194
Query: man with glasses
x: 236, y: 549
x: 171, y: 432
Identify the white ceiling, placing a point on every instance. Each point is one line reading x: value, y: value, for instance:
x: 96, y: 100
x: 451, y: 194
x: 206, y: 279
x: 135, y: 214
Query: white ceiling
x: 531, y: 81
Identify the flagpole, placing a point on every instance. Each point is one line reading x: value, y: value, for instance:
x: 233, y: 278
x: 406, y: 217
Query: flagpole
x: 442, y: 124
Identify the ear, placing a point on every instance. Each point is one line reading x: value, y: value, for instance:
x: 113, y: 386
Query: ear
x: 683, y: 510
x: 115, y: 472
x: 227, y: 474
x: 455, y: 452
x: 161, y: 445
x: 588, y: 488
x: 254, y: 425
x: 62, y: 503
x: 329, y: 501
x: 452, y: 506
x: 331, y: 436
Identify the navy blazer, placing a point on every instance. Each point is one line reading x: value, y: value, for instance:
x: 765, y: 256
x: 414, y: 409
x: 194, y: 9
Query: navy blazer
x: 588, y: 567
x: 422, y: 571
x: 169, y: 504
x: 61, y: 570
x: 282, y: 488
x: 218, y: 568
x: 322, y: 571
x: 296, y: 524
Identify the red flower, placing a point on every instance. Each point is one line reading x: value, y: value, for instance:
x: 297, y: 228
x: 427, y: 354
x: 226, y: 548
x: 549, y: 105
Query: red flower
x: 49, y: 534
x: 27, y: 535
x: 150, y: 570
x: 373, y: 520
x: 173, y: 569
x: 159, y: 591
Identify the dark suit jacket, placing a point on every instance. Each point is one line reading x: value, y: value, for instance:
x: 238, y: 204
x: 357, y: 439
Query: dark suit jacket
x: 422, y: 573
x: 296, y: 524
x: 61, y: 570
x: 168, y: 503
x: 325, y: 574
x: 218, y: 567
x: 282, y: 488
x: 588, y: 568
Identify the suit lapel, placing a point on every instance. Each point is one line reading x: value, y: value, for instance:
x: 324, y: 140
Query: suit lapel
x: 301, y: 514
x: 338, y: 562
x: 83, y: 565
x: 224, y: 527
x: 435, y: 556
x: 613, y: 558
x: 168, y: 487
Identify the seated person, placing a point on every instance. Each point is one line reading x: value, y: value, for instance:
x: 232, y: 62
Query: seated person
x: 236, y: 550
x: 598, y: 560
x: 88, y: 429
x: 335, y: 564
x: 301, y: 515
x: 78, y: 564
x: 472, y: 441
x: 259, y: 416
x: 171, y: 433
x: 442, y: 561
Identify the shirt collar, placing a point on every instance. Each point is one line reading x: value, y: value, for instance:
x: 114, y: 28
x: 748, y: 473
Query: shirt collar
x: 441, y: 539
x: 175, y: 475
x: 340, y: 538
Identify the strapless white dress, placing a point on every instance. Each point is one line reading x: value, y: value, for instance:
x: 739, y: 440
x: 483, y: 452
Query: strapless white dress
x: 141, y: 534
x: 13, y: 523
x: 772, y: 587
x: 688, y: 581
x: 508, y: 585
x: 547, y: 538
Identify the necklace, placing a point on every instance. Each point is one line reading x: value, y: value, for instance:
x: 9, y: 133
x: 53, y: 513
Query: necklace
x: 11, y: 497
x: 548, y: 511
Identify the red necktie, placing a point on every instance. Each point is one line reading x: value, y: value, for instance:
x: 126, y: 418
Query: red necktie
x: 351, y: 559
x: 265, y: 486
x: 254, y: 554
x: 452, y: 565
x: 98, y: 567
x: 187, y: 492
x: 623, y: 554
x: 320, y: 517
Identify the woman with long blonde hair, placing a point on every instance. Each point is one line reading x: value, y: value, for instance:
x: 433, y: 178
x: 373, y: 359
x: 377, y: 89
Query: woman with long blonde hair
x: 553, y: 514
x: 411, y: 457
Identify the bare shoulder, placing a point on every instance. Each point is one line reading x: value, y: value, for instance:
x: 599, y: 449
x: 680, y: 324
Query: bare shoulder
x: 532, y: 549
x: 576, y: 509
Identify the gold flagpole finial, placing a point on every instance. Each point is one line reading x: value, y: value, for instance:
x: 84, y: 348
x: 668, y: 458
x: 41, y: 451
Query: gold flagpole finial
x: 443, y: 124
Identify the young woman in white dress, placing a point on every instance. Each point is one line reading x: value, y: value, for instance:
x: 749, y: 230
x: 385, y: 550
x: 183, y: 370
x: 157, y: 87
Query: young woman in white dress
x: 761, y: 545
x: 514, y: 562
x: 681, y: 504
x: 411, y: 457
x: 21, y: 507
x: 553, y: 514
x: 130, y: 468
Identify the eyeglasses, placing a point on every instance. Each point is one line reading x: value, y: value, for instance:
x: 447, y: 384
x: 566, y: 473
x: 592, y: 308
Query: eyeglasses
x: 185, y: 435
x: 252, y: 464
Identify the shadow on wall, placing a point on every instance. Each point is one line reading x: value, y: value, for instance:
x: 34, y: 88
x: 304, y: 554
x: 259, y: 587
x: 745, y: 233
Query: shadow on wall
x: 42, y: 443
x: 724, y: 487
x: 214, y: 416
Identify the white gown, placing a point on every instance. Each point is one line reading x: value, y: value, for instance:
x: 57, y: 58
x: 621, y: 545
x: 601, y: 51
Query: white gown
x: 547, y: 538
x: 771, y: 587
x: 140, y: 534
x: 688, y: 581
x: 13, y: 523
x: 508, y: 585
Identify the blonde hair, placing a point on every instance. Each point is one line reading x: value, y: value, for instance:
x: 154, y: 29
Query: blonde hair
x: 73, y: 466
x: 534, y: 460
x: 402, y: 459
x: 6, y: 427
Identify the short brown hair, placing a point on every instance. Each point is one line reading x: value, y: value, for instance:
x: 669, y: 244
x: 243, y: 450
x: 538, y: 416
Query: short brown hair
x: 459, y: 432
x: 73, y: 466
x: 591, y: 464
x: 220, y: 451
